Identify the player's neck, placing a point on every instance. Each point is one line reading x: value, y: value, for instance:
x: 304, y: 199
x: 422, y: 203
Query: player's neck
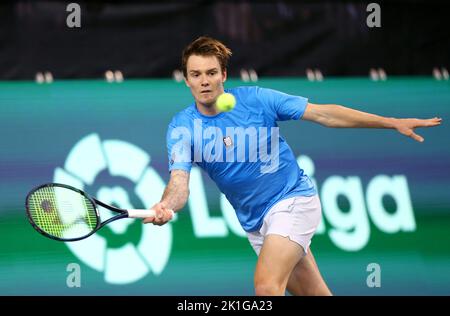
x: 207, y: 110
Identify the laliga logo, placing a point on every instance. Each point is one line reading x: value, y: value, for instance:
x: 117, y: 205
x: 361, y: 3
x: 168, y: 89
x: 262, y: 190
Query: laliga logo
x: 86, y: 160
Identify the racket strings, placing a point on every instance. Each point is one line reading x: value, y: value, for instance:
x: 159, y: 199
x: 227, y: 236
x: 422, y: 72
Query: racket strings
x: 62, y: 213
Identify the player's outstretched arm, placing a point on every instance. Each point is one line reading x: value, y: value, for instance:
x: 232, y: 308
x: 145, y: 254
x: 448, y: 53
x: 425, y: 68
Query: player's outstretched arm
x: 332, y: 115
x: 174, y: 198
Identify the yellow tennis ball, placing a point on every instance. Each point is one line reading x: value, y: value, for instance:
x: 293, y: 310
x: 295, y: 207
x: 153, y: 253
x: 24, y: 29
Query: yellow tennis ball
x: 225, y: 102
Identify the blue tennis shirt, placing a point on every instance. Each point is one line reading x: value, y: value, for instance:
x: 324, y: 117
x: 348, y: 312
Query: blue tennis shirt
x: 242, y: 151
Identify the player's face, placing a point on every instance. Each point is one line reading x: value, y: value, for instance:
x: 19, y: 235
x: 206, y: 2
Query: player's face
x: 205, y: 78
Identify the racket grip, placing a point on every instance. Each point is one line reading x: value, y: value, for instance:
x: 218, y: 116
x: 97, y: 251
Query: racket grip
x: 141, y: 213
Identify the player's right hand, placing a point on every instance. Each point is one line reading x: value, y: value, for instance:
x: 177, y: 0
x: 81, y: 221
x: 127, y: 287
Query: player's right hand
x: 162, y: 216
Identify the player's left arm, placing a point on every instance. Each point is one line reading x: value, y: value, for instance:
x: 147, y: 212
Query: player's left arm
x: 332, y: 115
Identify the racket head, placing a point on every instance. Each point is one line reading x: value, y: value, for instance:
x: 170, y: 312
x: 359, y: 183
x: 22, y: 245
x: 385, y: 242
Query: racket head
x: 62, y: 212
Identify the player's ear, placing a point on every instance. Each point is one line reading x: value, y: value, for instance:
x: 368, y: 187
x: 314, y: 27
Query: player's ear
x: 186, y: 82
x: 224, y: 75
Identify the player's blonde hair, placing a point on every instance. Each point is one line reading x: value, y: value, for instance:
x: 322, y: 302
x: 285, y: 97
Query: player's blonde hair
x: 206, y: 46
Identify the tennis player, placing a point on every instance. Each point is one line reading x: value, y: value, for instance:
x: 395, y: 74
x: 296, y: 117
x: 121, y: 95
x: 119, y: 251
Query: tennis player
x: 275, y: 201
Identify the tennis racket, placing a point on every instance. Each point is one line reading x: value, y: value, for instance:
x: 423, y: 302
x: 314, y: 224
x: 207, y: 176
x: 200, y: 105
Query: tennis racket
x: 64, y: 213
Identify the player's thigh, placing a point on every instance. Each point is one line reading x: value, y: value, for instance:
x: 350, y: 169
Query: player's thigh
x: 306, y: 278
x: 277, y: 258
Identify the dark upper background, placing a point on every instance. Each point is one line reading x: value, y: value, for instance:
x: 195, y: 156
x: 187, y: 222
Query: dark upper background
x: 276, y: 38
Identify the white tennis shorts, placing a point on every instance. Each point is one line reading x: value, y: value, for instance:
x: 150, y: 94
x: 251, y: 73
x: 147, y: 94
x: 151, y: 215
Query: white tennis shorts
x: 296, y: 218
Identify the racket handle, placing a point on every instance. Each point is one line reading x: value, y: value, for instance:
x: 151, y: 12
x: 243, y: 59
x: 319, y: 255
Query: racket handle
x: 136, y: 213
